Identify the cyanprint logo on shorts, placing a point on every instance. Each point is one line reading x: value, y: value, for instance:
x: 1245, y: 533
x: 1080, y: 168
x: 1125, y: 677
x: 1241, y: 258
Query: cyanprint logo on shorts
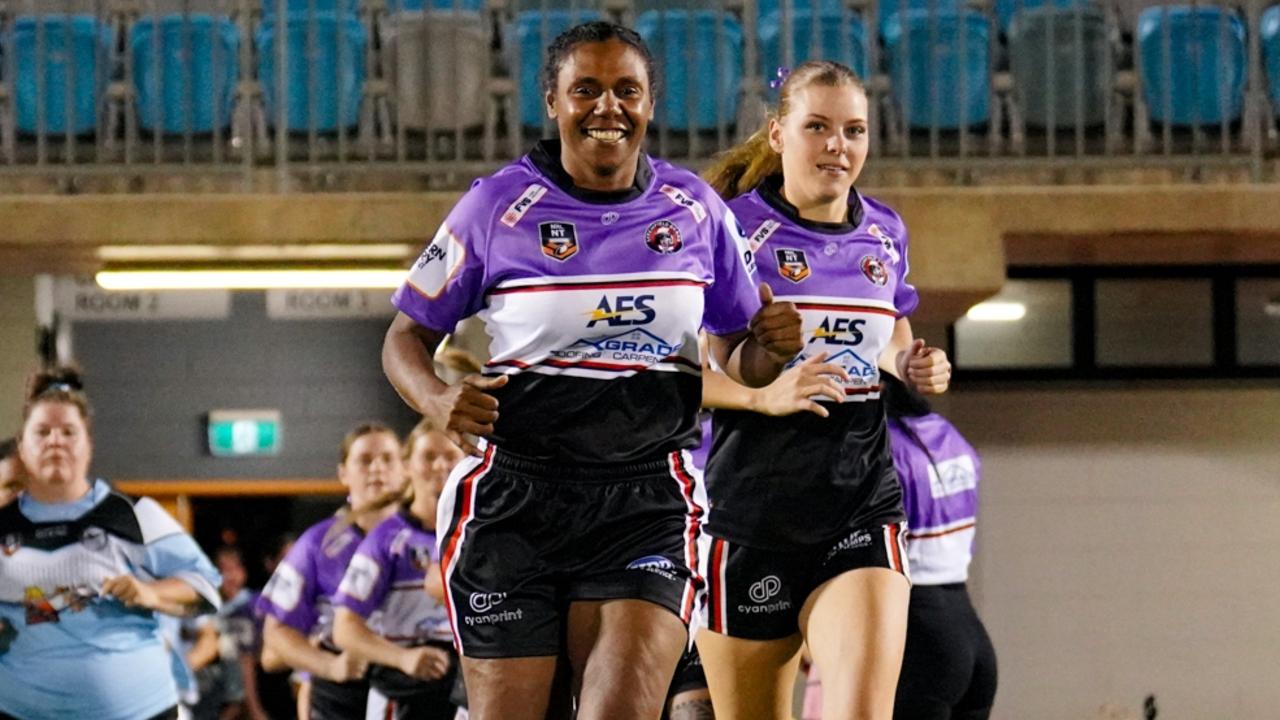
x: 765, y: 588
x: 761, y: 592
x: 484, y: 602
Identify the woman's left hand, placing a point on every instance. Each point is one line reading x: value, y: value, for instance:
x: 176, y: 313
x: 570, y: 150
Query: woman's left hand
x: 925, y: 369
x: 131, y: 591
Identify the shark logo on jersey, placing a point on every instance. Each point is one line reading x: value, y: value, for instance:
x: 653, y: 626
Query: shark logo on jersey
x: 94, y: 538
x: 792, y: 264
x: 874, y: 270
x: 886, y: 241
x: 11, y: 544
x: 559, y: 240
x: 663, y: 237
x: 839, y: 331
x: 622, y: 311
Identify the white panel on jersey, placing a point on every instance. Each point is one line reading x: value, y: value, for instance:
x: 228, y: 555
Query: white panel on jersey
x: 360, y: 577
x: 949, y: 477
x: 154, y: 521
x: 437, y: 264
x: 285, y: 587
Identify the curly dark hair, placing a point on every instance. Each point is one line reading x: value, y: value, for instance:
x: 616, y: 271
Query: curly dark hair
x: 594, y: 31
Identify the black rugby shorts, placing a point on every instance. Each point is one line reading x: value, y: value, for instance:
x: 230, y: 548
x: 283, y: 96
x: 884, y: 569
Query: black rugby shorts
x: 523, y: 539
x: 757, y: 594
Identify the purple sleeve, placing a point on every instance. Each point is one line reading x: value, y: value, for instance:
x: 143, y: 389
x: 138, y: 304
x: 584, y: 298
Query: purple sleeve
x: 732, y: 299
x: 447, y: 283
x: 368, y: 578
x: 290, y: 594
x: 905, y: 297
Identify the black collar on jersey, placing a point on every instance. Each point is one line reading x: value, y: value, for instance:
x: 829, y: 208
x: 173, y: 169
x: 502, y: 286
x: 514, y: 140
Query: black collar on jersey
x: 113, y: 516
x: 546, y: 157
x: 771, y: 191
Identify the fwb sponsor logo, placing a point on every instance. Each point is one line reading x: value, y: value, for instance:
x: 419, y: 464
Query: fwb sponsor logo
x: 762, y: 593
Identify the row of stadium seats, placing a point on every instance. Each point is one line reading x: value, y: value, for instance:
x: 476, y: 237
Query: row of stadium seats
x: 939, y: 60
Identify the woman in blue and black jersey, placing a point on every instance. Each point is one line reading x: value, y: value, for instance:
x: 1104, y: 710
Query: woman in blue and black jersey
x: 806, y: 519
x: 83, y: 572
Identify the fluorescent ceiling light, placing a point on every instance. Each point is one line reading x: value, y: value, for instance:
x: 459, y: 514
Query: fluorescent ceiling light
x: 248, y: 279
x: 997, y: 312
x: 195, y: 253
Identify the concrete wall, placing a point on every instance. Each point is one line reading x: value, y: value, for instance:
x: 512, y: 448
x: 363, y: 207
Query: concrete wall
x: 17, y: 347
x: 152, y: 383
x: 1126, y: 546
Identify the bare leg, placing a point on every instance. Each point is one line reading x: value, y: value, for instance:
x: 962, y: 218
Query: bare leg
x: 624, y: 654
x: 750, y: 679
x: 508, y: 688
x: 856, y: 627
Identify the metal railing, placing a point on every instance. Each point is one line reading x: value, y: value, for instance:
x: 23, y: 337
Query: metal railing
x: 283, y: 95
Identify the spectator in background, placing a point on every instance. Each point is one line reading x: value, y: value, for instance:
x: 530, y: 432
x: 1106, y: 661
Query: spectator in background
x: 85, y: 570
x: 228, y: 686
x: 11, y: 471
x: 297, y: 601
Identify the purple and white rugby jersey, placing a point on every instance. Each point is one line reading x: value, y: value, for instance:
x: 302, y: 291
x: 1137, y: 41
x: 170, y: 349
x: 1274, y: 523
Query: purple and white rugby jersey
x: 803, y: 480
x: 939, y: 471
x: 299, y: 593
x: 383, y: 583
x: 592, y: 301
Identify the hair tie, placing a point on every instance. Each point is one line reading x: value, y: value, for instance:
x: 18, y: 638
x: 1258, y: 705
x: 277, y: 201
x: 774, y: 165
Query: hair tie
x: 782, y: 72
x: 60, y: 386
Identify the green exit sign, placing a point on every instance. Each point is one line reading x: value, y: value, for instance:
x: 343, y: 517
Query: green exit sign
x: 244, y: 433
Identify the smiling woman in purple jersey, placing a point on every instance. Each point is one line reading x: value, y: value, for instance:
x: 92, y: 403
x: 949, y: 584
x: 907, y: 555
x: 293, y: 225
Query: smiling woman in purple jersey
x: 806, y: 513
x: 574, y: 525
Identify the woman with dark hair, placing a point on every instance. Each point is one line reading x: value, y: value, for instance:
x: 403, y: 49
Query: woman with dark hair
x: 297, y: 601
x: 83, y: 573
x: 807, y: 519
x: 593, y: 267
x: 949, y: 666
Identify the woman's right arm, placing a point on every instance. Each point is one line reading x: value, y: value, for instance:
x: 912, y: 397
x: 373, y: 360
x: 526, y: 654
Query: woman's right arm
x: 292, y: 649
x: 462, y: 409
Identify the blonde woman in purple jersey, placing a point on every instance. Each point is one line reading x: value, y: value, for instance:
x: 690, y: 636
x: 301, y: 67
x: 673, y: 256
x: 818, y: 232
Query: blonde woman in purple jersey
x: 806, y: 513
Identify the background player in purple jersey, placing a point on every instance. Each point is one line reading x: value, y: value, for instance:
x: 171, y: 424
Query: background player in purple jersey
x: 297, y: 600
x: 412, y: 661
x: 593, y: 267
x: 806, y: 514
x: 949, y: 666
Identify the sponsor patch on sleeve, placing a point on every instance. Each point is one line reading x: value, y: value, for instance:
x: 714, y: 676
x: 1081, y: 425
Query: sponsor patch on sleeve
x: 362, y: 573
x: 527, y: 199
x: 437, y: 263
x: 683, y: 199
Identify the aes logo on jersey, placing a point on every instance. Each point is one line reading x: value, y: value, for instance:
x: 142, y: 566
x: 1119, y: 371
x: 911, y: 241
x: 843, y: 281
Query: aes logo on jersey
x: 663, y: 237
x: 559, y: 240
x: 874, y: 270
x: 792, y: 264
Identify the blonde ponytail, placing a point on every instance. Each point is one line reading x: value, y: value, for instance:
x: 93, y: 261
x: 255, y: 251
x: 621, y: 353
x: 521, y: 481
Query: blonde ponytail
x: 742, y: 168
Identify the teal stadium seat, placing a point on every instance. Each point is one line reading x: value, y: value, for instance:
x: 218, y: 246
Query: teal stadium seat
x: 185, y: 73
x: 924, y: 50
x: 59, y: 58
x: 324, y: 70
x: 1198, y: 76
x: 699, y: 56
